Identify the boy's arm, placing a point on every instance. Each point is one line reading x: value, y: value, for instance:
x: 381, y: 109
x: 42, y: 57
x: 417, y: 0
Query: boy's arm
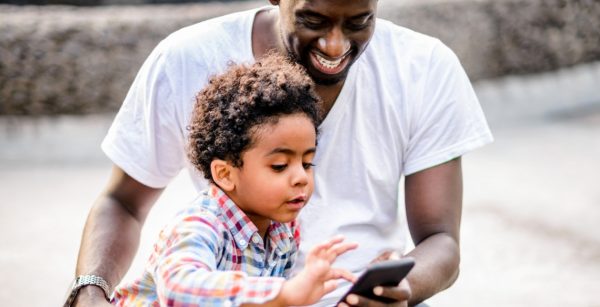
x: 186, y: 267
x: 187, y: 272
x: 112, y: 233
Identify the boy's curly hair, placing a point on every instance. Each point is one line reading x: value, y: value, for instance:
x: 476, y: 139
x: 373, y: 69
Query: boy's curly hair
x: 243, y: 97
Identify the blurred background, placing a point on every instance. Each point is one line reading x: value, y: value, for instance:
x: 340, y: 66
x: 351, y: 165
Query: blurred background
x: 531, y: 201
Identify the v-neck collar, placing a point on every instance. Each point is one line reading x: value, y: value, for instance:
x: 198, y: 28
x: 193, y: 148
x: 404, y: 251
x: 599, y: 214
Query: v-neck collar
x: 343, y: 99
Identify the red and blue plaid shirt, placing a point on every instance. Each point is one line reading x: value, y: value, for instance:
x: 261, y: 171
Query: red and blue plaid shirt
x: 211, y: 254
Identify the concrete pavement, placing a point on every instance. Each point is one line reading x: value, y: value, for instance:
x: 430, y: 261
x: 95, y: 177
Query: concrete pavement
x: 530, y: 210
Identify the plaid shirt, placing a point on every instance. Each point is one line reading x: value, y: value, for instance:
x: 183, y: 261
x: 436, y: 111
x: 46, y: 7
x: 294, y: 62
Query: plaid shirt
x: 213, y: 255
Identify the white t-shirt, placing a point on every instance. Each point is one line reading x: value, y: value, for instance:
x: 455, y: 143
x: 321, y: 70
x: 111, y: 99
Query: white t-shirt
x: 406, y: 105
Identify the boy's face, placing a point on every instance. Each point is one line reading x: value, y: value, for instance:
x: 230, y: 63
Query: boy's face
x: 326, y: 36
x: 276, y: 178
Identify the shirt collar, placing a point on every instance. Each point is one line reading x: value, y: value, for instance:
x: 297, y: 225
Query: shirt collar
x: 281, y: 237
x: 241, y: 226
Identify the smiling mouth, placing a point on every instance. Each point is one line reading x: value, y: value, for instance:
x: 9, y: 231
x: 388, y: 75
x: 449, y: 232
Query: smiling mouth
x: 329, y: 66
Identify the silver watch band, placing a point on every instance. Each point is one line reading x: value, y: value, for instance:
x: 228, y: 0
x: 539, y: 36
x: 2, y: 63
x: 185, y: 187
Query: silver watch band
x: 87, y: 280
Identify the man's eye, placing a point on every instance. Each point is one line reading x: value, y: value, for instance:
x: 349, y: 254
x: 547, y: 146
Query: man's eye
x: 307, y: 165
x: 359, y: 24
x: 311, y: 23
x: 278, y: 167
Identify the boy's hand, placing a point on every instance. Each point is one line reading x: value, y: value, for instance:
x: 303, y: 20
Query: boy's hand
x: 318, y: 277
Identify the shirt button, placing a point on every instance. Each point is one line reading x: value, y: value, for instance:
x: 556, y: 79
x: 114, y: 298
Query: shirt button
x: 255, y: 239
x: 243, y: 242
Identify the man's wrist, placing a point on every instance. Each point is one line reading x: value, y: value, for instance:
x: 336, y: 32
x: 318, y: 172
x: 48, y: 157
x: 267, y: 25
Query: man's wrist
x: 95, y: 286
x: 89, y: 296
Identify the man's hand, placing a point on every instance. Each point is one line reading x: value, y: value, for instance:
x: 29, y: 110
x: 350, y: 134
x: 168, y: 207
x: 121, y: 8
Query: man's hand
x: 318, y: 276
x: 400, y: 293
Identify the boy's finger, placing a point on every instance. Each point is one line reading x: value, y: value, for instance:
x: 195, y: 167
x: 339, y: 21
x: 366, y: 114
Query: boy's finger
x: 327, y: 244
x: 387, y: 255
x: 335, y: 240
x: 329, y: 286
x: 394, y: 255
x: 341, y: 248
x: 323, y: 246
x: 336, y: 250
x: 337, y: 273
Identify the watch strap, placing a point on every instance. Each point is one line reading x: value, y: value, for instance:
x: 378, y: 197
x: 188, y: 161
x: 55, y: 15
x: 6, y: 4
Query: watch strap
x: 87, y: 280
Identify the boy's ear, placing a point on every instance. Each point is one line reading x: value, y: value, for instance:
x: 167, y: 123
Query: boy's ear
x: 222, y: 174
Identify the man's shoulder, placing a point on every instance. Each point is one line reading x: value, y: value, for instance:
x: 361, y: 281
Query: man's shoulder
x: 217, y: 31
x: 393, y: 45
x: 391, y: 33
x: 189, y: 56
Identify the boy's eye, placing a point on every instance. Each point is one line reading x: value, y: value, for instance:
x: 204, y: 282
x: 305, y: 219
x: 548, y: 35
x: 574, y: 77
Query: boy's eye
x: 307, y: 165
x: 278, y: 167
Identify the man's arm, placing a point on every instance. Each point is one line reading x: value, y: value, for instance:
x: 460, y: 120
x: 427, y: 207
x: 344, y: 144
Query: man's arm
x: 112, y: 233
x: 433, y: 209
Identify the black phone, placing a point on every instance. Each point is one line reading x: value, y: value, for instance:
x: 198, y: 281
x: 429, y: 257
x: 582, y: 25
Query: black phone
x: 387, y: 273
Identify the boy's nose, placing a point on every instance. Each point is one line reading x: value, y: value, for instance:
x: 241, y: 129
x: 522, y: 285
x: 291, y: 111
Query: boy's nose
x: 300, y: 176
x: 334, y: 44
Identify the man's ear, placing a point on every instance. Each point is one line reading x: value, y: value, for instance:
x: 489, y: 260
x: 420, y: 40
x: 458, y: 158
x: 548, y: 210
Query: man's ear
x: 222, y: 174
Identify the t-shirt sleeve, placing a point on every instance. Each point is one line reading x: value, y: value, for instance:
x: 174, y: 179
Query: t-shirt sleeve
x: 448, y: 121
x: 146, y: 139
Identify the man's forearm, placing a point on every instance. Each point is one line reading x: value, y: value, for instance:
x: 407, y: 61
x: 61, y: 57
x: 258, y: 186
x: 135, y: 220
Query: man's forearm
x: 109, y: 243
x: 437, y: 265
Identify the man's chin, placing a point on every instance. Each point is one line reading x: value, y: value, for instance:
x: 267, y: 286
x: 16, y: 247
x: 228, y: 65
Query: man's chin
x: 325, y: 80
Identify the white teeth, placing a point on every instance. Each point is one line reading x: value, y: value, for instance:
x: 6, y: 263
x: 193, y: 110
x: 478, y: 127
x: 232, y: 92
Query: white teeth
x: 329, y: 64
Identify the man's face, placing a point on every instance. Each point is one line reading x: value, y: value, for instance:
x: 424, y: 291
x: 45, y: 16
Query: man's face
x: 326, y: 36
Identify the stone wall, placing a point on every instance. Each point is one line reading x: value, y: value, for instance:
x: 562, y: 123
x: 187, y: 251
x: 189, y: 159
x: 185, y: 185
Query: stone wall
x: 499, y: 37
x: 67, y: 60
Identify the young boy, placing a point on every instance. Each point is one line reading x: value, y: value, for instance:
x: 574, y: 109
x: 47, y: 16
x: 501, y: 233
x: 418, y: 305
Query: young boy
x: 253, y: 136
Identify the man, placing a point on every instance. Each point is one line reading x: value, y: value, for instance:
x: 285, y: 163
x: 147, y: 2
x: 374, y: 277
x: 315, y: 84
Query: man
x: 396, y: 103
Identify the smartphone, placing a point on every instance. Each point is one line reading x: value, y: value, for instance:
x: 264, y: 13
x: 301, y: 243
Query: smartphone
x: 387, y: 274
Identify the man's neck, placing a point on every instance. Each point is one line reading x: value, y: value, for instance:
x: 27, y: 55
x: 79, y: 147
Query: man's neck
x: 329, y: 95
x: 265, y: 33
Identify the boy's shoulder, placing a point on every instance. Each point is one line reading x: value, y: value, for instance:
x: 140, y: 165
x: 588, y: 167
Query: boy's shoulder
x: 202, y: 214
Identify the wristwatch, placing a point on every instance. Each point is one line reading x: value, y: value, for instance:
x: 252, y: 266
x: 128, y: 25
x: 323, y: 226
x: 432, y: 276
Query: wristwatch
x: 86, y: 280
